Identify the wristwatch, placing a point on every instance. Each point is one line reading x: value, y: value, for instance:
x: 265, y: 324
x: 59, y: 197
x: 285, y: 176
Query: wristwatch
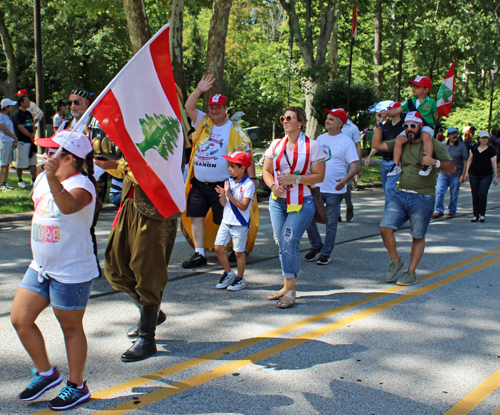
x: 438, y: 164
x: 297, y: 180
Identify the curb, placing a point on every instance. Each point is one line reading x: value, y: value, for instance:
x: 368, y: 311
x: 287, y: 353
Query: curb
x: 12, y: 217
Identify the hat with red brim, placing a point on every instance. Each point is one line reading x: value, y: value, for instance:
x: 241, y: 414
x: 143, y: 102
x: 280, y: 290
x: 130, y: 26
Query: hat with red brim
x: 21, y: 92
x: 338, y: 113
x: 423, y: 81
x: 217, y: 99
x: 240, y: 157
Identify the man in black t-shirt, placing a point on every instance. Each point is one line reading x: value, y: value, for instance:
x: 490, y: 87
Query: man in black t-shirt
x: 26, y: 149
x: 391, y: 130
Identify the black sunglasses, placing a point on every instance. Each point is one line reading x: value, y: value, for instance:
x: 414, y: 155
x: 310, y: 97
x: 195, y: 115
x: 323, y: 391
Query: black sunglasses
x: 411, y: 125
x: 76, y: 102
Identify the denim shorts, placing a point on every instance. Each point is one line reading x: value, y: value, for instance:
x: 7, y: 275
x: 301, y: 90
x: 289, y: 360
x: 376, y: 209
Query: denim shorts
x: 236, y: 232
x: 415, y: 207
x: 61, y: 296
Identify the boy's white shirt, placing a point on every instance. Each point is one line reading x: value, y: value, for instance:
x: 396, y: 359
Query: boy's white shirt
x: 239, y: 191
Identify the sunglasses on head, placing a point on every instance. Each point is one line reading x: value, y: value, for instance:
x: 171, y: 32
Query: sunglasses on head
x: 76, y: 102
x: 413, y: 126
x: 287, y: 118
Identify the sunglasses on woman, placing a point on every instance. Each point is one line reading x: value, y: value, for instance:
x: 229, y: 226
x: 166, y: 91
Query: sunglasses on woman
x: 411, y: 125
x: 287, y: 118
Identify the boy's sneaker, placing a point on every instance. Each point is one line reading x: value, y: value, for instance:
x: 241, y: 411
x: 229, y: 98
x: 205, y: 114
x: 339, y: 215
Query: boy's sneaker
x: 226, y: 280
x: 8, y: 186
x: 408, y: 278
x: 21, y: 184
x: 309, y: 257
x: 323, y: 260
x: 237, y: 284
x: 4, y: 188
x: 197, y: 260
x: 40, y: 384
x: 425, y: 170
x: 70, y: 396
x: 394, y: 170
x: 393, y: 270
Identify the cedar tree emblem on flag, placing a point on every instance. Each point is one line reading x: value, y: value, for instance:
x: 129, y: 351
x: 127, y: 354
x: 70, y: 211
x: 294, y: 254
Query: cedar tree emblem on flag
x: 139, y: 111
x: 445, y: 93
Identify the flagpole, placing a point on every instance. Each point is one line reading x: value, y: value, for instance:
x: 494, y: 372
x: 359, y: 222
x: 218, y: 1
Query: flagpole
x: 353, y: 39
x: 349, y: 78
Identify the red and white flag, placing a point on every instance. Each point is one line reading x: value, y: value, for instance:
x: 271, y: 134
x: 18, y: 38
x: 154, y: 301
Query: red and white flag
x: 354, y: 24
x: 445, y: 93
x: 139, y: 111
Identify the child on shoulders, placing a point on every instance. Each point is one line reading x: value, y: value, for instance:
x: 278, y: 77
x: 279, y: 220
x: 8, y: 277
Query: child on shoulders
x: 236, y: 197
x: 427, y: 107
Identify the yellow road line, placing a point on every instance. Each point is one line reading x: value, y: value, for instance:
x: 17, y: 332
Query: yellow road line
x: 474, y: 398
x: 165, y: 392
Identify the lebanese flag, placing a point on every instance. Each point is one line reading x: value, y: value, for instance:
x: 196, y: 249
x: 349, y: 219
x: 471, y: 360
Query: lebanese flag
x: 139, y: 111
x: 445, y: 93
x: 354, y: 24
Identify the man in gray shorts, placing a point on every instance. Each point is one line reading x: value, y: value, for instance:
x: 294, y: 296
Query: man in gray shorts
x: 25, y: 133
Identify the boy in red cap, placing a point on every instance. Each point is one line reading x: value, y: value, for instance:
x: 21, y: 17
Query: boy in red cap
x: 236, y: 198
x: 427, y: 107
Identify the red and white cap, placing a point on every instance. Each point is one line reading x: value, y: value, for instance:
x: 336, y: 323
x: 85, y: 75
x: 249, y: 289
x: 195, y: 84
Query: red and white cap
x: 240, y: 157
x: 423, y: 81
x: 78, y: 144
x: 338, y: 113
x: 393, y: 105
x: 21, y: 92
x: 217, y: 99
x: 414, y: 116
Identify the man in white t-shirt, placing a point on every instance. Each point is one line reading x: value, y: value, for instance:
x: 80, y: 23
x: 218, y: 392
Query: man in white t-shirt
x: 340, y: 153
x: 215, y: 137
x: 351, y: 130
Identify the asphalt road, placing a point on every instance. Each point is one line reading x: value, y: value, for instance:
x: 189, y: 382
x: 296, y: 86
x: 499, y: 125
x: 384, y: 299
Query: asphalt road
x: 351, y: 345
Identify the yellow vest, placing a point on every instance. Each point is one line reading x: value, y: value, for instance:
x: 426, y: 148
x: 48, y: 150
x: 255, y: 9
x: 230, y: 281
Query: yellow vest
x: 238, y: 140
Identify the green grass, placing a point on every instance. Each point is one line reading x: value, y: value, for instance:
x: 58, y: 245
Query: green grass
x: 370, y: 174
x: 16, y: 200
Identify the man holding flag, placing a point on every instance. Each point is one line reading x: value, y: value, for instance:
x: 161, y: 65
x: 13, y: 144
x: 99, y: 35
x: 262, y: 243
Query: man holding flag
x: 150, y: 133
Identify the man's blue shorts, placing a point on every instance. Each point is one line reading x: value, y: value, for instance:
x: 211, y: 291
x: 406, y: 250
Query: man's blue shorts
x: 404, y: 206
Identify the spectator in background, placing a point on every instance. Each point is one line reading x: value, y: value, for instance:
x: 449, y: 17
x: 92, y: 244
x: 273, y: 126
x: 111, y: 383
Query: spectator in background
x: 459, y: 154
x: 33, y: 108
x: 60, y: 116
x: 494, y: 141
x: 25, y: 132
x: 390, y: 130
x: 481, y: 169
x: 8, y: 141
x: 351, y: 130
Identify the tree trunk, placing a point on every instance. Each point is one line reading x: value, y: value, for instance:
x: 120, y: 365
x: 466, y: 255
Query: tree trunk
x: 217, y: 46
x: 334, y: 47
x: 137, y: 23
x: 378, y: 46
x: 8, y: 86
x: 313, y: 126
x: 176, y: 26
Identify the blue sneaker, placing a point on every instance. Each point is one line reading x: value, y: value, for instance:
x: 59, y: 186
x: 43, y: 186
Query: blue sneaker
x: 70, y: 396
x: 40, y: 384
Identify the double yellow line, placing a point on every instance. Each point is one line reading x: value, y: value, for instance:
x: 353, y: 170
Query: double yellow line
x: 167, y: 391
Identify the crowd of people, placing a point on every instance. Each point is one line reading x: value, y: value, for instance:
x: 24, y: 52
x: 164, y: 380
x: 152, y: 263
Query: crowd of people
x: 303, y: 174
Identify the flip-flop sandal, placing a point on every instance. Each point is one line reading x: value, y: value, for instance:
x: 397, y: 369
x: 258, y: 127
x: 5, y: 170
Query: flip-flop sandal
x: 285, y: 302
x: 276, y: 296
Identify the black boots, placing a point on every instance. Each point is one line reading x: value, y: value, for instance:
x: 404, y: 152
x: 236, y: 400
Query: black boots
x: 145, y: 345
x: 133, y: 333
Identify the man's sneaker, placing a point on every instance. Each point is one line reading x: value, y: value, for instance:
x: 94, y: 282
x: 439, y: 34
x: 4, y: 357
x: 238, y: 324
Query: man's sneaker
x: 197, y: 260
x: 425, y: 170
x: 309, y: 257
x: 40, y: 384
x: 393, y: 270
x: 8, y: 186
x: 323, y: 260
x: 21, y: 184
x: 237, y: 284
x: 408, y: 278
x: 394, y: 170
x: 70, y: 396
x: 4, y: 188
x: 225, y: 280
